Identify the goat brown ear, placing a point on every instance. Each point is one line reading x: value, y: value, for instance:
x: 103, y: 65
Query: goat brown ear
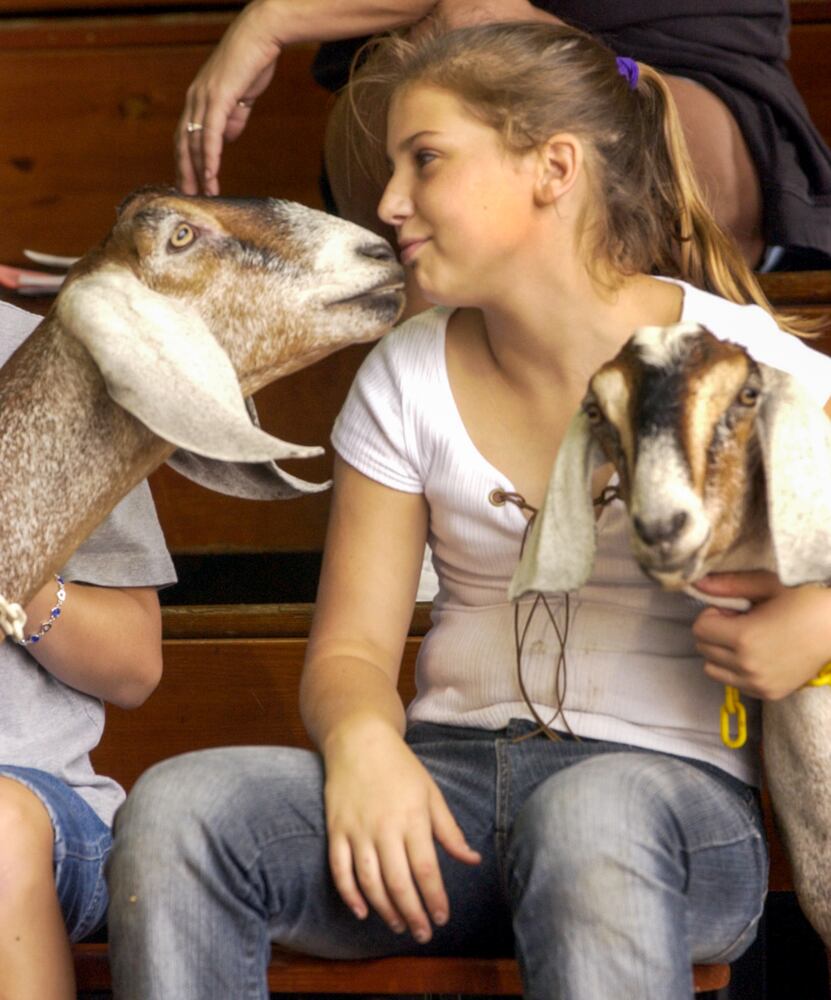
x: 559, y: 552
x: 162, y: 364
x: 250, y: 480
x: 795, y: 436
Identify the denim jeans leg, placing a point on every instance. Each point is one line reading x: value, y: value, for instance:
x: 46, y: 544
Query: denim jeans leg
x: 218, y: 853
x: 624, y: 868
x: 207, y: 848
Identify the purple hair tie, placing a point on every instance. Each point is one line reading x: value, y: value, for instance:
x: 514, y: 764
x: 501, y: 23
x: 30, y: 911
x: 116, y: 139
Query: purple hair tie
x: 628, y: 68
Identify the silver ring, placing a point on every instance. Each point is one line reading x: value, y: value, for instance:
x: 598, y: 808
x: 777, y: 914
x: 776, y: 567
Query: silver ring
x: 245, y: 102
x: 194, y: 126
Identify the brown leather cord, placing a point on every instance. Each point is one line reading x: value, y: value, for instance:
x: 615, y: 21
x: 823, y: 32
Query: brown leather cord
x: 498, y: 498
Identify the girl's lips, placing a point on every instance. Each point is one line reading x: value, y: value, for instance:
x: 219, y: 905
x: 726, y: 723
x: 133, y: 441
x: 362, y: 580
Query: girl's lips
x: 409, y: 249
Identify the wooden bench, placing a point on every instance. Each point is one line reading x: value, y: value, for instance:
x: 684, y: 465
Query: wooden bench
x: 231, y: 678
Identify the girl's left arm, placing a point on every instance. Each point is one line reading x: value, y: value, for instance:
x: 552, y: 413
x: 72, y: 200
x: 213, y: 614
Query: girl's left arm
x: 106, y: 642
x: 777, y: 646
x: 773, y: 649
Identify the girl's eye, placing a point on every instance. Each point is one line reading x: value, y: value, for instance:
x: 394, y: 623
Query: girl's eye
x: 423, y: 157
x: 182, y: 237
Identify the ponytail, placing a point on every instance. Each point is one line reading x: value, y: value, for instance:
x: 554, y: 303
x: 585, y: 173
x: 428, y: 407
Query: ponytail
x: 704, y: 254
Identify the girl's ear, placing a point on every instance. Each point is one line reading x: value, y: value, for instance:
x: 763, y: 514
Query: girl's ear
x: 560, y: 163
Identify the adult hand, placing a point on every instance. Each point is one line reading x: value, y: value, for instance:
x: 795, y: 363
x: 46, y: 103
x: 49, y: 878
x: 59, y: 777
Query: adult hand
x: 772, y: 649
x: 460, y: 13
x: 220, y: 98
x: 384, y: 814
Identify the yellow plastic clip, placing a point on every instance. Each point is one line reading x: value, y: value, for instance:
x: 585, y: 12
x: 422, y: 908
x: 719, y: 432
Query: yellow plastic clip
x: 733, y: 708
x: 822, y: 678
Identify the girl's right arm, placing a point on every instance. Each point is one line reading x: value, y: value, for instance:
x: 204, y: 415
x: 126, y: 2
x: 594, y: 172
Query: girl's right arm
x: 384, y: 811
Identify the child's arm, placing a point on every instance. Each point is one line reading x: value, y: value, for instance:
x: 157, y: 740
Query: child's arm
x: 383, y: 808
x: 773, y: 649
x: 106, y: 642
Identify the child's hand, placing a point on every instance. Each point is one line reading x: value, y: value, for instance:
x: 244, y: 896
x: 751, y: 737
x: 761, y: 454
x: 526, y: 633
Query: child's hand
x: 774, y: 648
x: 383, y: 813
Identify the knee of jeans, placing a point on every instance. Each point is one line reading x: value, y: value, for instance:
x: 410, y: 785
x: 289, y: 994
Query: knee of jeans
x: 599, y: 814
x: 195, y: 796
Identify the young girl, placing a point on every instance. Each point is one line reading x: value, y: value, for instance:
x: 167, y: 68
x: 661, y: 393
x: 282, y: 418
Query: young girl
x: 84, y: 645
x: 537, y: 184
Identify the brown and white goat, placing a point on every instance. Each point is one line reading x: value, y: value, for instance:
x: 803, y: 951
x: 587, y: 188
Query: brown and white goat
x: 723, y: 463
x: 150, y: 352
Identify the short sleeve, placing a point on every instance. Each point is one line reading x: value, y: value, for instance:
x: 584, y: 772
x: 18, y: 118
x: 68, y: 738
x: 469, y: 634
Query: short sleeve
x: 371, y: 431
x: 127, y: 549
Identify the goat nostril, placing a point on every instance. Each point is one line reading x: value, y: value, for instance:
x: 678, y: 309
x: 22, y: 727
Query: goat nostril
x: 377, y: 250
x: 660, y: 531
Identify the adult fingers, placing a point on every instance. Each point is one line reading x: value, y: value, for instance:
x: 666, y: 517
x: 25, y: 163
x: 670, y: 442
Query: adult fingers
x: 188, y: 144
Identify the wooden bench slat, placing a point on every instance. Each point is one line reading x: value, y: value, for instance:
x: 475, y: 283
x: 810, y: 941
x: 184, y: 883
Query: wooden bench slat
x: 291, y: 973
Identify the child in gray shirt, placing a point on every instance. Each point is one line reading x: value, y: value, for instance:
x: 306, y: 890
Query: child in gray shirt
x: 104, y: 644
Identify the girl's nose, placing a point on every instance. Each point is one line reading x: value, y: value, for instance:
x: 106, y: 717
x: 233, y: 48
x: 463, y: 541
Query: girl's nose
x: 394, y: 206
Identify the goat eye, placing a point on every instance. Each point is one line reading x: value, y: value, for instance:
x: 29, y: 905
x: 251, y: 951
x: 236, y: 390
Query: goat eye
x: 594, y: 414
x: 748, y: 396
x: 183, y: 237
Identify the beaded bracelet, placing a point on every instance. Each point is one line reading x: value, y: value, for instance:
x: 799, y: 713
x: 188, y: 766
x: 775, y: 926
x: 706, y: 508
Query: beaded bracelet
x: 54, y: 614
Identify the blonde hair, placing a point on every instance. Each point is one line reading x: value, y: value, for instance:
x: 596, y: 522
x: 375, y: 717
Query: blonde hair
x: 529, y: 80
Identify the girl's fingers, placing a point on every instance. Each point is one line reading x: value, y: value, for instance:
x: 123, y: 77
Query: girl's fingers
x: 372, y: 873
x: 448, y: 832
x: 424, y: 865
x: 343, y: 875
x: 401, y: 889
x: 755, y: 585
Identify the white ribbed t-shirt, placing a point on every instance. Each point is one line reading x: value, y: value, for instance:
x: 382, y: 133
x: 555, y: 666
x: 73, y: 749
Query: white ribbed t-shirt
x: 633, y: 675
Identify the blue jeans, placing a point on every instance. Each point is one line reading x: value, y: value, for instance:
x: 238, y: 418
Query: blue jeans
x: 608, y: 869
x: 82, y: 844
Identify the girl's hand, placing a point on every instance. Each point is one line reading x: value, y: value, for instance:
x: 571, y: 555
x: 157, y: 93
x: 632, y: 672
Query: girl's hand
x: 384, y: 814
x: 775, y: 647
x: 221, y: 96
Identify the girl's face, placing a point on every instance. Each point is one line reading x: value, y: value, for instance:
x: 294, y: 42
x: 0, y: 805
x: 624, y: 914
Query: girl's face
x: 461, y: 204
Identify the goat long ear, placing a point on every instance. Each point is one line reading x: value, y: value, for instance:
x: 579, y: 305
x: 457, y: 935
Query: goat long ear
x: 251, y: 480
x: 559, y: 552
x: 795, y: 436
x: 162, y: 364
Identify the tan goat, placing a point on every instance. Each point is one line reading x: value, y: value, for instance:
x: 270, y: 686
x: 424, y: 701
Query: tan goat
x: 723, y: 463
x: 150, y: 352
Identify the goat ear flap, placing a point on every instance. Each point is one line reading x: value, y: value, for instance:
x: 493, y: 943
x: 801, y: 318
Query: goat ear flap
x: 162, y: 364
x: 559, y: 552
x: 250, y: 480
x: 795, y: 436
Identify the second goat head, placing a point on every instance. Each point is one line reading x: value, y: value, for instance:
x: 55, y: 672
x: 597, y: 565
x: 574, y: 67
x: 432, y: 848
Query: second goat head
x: 724, y: 463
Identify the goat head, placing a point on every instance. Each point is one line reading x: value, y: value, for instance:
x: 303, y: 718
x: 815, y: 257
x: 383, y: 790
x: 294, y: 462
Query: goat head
x: 151, y: 350
x: 723, y: 463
